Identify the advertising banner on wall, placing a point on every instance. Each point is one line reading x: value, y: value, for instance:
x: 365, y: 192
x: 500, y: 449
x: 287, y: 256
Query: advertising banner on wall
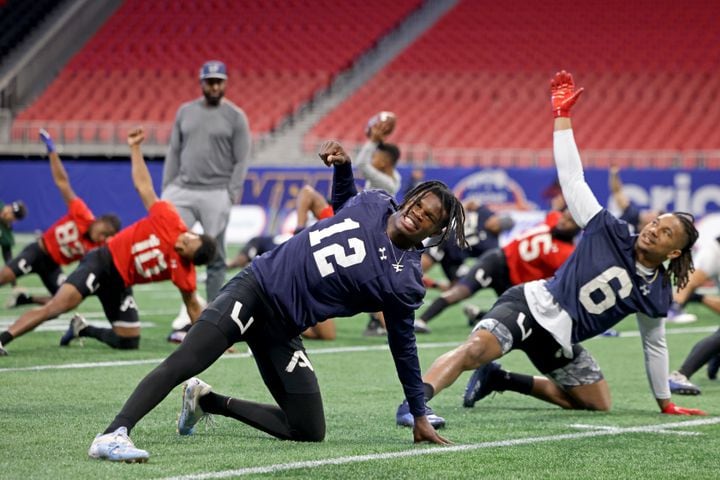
x: 268, y: 200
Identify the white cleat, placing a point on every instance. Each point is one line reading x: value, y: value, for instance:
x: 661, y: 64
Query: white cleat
x: 190, y: 412
x: 117, y: 447
x: 77, y: 323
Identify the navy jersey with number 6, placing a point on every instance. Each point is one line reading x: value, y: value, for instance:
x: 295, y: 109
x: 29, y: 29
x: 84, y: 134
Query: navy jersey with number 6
x: 345, y: 265
x: 599, y: 284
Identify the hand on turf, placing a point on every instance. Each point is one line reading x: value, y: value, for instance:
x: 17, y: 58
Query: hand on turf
x: 672, y: 409
x: 47, y: 139
x: 424, y: 432
x: 136, y: 136
x: 563, y: 94
x: 332, y: 153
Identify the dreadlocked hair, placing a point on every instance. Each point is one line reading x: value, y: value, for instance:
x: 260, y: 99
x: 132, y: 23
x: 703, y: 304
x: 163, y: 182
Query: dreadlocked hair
x: 455, y: 221
x: 681, y: 267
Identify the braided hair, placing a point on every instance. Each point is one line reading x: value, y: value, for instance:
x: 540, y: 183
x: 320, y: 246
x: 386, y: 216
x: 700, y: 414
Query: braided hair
x: 456, y: 213
x: 680, y: 267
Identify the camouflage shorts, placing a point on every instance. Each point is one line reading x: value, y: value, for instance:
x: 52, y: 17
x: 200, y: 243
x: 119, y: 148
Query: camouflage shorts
x: 582, y: 370
x: 499, y: 331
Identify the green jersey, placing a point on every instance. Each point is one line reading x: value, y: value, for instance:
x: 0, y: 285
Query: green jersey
x: 6, y: 234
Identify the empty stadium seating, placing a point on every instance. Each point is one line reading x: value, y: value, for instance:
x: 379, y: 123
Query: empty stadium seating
x: 144, y: 61
x: 479, y: 80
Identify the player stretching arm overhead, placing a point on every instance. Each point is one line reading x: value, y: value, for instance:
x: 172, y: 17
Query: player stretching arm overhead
x: 610, y: 275
x: 155, y: 248
x: 364, y: 258
x: 65, y: 242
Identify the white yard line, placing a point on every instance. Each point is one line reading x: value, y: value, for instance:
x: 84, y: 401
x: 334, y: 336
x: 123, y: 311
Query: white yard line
x: 582, y: 426
x: 6, y: 321
x: 316, y: 351
x: 227, y: 356
x: 281, y: 467
x: 61, y: 324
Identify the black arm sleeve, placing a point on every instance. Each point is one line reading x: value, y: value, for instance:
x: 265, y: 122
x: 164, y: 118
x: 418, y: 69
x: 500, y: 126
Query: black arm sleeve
x: 343, y: 185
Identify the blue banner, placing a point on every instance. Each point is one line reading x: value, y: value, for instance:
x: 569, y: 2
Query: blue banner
x: 106, y: 186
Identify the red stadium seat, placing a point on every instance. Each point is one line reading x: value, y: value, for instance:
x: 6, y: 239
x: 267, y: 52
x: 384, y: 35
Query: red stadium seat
x: 143, y: 62
x: 479, y: 77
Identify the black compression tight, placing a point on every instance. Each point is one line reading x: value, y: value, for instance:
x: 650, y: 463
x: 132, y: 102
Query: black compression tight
x: 701, y: 353
x: 300, y: 417
x: 202, y: 346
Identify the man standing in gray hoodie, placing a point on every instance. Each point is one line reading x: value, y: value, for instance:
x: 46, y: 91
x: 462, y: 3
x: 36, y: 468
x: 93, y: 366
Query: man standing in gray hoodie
x: 206, y: 163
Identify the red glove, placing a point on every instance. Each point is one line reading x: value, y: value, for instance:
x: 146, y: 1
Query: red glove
x: 672, y: 409
x: 563, y: 94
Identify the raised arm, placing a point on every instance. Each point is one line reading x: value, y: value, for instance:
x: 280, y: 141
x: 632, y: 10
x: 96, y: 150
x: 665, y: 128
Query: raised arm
x: 616, y: 189
x: 580, y: 200
x: 60, y: 176
x: 377, y: 131
x: 140, y: 173
x: 372, y: 174
x: 332, y: 153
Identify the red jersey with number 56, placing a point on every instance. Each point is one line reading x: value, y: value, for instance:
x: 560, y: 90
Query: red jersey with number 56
x: 535, y: 254
x: 145, y: 252
x: 66, y: 240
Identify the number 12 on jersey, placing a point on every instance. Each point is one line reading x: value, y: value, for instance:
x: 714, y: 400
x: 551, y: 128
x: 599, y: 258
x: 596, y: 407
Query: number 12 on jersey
x: 336, y: 250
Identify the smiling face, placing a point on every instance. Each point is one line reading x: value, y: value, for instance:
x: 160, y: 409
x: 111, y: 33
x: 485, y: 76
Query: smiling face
x: 661, y: 239
x: 417, y: 221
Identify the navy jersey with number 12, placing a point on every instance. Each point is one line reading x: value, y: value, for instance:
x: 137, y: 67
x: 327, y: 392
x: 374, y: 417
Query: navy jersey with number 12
x: 345, y: 265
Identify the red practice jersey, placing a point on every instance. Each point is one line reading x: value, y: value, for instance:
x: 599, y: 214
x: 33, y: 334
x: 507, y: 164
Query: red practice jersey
x: 535, y: 254
x: 66, y: 240
x: 145, y: 252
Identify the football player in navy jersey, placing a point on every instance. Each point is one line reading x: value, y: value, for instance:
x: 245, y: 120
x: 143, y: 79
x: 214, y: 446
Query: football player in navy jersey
x: 611, y: 274
x: 366, y: 258
x: 482, y: 228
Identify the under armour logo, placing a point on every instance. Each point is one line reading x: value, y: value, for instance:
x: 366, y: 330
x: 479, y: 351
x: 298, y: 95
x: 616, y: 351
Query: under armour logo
x: 645, y: 289
x: 26, y: 268
x: 382, y: 253
x: 91, y: 284
x: 235, y: 317
x: 299, y: 359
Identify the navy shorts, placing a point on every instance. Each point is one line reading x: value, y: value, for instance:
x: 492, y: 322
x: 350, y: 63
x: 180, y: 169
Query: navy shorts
x: 489, y: 271
x: 243, y: 313
x: 33, y: 259
x: 514, y: 326
x: 96, y: 275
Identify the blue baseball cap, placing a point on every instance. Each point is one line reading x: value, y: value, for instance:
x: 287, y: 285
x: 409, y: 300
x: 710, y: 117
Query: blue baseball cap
x: 213, y: 69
